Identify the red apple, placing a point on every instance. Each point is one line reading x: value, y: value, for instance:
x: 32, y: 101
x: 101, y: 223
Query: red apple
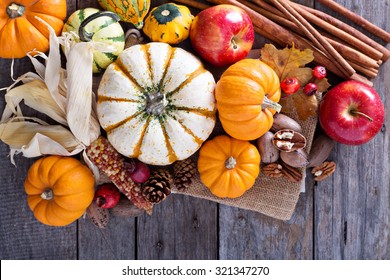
x: 351, y: 113
x: 222, y: 34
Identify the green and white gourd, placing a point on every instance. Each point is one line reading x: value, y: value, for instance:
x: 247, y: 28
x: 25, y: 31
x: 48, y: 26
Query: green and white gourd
x: 156, y: 103
x: 91, y: 24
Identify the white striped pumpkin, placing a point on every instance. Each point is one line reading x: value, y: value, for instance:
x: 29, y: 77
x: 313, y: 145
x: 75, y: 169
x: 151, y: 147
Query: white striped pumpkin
x: 156, y: 103
x: 103, y: 29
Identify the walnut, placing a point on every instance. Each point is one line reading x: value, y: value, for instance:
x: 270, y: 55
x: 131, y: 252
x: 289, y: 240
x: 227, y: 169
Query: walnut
x: 324, y: 170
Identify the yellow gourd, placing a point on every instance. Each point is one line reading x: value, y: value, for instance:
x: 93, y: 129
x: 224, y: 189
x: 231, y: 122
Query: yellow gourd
x: 168, y: 23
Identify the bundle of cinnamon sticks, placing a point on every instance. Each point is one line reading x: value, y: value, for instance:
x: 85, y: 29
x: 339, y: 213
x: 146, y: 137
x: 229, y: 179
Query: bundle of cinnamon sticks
x: 341, y: 48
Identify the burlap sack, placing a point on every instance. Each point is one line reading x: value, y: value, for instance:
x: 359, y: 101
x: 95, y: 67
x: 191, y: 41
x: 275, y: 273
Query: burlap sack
x: 274, y: 197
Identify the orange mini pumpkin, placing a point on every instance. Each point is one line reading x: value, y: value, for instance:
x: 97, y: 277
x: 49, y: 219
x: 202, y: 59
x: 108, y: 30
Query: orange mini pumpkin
x: 247, y: 95
x: 20, y: 29
x: 227, y: 166
x: 59, y: 190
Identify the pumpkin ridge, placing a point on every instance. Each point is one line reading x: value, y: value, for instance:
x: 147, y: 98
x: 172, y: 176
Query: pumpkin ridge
x: 171, y: 152
x: 190, y: 77
x: 112, y: 127
x: 127, y: 73
x: 167, y: 64
x: 75, y: 165
x: 104, y: 98
x: 34, y: 19
x: 145, y: 51
x: 189, y: 131
x: 40, y: 7
x: 31, y: 29
x: 44, y: 164
x: 199, y: 111
x: 137, y: 148
x: 64, y: 174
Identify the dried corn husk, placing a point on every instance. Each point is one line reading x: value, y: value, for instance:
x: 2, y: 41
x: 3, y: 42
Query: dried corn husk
x: 38, y: 95
x: 65, y: 96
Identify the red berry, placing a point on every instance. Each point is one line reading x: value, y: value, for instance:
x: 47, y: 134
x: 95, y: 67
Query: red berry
x: 141, y: 173
x: 290, y: 85
x: 319, y: 72
x: 107, y: 196
x: 310, y: 89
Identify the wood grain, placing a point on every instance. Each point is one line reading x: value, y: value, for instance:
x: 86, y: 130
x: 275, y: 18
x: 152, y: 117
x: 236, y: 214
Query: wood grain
x: 352, y: 208
x: 21, y: 236
x: 181, y: 227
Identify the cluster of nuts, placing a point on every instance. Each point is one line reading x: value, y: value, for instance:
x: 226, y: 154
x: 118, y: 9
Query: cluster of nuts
x: 282, y: 149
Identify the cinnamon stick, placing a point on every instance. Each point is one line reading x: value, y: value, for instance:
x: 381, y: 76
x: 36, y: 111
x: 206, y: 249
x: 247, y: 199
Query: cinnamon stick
x: 346, y: 28
x: 347, y: 52
x: 193, y: 4
x: 369, y: 72
x: 314, y: 36
x: 359, y: 20
x: 352, y: 54
x: 348, y: 38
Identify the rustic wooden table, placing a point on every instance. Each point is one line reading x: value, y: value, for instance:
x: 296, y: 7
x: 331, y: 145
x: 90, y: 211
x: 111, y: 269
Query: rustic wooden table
x: 343, y: 217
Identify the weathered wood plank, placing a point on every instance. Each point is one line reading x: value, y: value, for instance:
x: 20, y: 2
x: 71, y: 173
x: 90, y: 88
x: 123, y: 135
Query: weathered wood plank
x: 352, y: 207
x: 21, y: 235
x: 115, y: 242
x: 181, y: 227
x: 249, y: 235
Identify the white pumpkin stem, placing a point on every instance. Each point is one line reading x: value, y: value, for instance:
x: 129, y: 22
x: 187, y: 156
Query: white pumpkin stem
x: 269, y: 104
x: 230, y: 163
x: 156, y: 103
x: 47, y: 194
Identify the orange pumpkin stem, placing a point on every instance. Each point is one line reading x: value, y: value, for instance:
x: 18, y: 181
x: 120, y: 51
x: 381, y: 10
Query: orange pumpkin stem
x: 269, y: 104
x: 47, y: 194
x: 15, y: 10
x: 230, y: 163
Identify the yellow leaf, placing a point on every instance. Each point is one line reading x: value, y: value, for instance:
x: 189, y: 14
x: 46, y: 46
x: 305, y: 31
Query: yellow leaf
x: 286, y: 61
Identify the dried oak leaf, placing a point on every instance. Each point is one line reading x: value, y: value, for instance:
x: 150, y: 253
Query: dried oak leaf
x: 285, y: 61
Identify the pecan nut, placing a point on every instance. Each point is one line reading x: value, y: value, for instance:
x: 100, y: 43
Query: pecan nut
x: 291, y: 173
x: 273, y: 170
x: 296, y: 158
x: 278, y: 170
x: 324, y: 170
x: 288, y: 140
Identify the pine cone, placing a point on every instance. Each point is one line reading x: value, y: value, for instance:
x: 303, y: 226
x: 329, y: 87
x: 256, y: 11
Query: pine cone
x: 183, y: 173
x: 158, y: 186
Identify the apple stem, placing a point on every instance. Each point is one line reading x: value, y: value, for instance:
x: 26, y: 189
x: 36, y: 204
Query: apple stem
x: 234, y: 44
x: 356, y: 112
x: 269, y: 104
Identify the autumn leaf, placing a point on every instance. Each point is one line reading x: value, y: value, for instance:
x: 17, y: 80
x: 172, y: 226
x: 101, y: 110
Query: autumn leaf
x: 323, y: 85
x: 285, y: 61
x: 304, y: 106
x: 291, y: 62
